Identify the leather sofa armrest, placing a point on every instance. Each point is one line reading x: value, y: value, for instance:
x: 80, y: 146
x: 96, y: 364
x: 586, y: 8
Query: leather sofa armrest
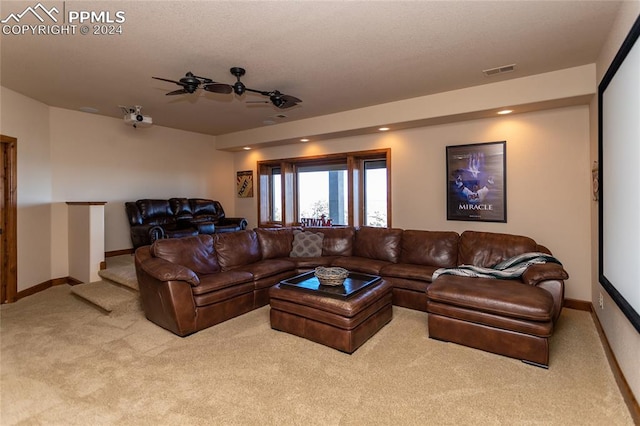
x: 133, y: 214
x: 141, y: 235
x: 239, y: 221
x: 156, y: 232
x: 163, y: 270
x: 544, y: 272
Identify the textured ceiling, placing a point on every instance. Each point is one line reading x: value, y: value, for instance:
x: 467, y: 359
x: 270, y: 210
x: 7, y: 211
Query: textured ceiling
x: 335, y: 56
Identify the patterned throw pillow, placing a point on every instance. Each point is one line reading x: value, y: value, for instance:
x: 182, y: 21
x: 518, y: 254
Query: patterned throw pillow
x: 307, y: 244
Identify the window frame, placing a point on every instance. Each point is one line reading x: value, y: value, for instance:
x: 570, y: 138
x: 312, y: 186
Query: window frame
x: 355, y: 162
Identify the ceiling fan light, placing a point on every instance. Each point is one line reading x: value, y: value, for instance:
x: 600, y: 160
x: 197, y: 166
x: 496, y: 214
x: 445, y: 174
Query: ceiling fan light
x: 189, y: 80
x: 239, y: 88
x: 277, y: 101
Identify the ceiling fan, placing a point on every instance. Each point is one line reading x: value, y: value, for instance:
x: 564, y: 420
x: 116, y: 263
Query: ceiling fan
x: 190, y: 83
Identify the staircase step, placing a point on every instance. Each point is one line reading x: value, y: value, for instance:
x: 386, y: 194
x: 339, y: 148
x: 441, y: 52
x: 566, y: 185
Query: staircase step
x: 105, y: 295
x: 123, y: 275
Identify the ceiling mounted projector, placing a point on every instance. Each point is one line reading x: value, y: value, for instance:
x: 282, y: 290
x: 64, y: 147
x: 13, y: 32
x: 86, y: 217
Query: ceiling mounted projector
x: 133, y: 117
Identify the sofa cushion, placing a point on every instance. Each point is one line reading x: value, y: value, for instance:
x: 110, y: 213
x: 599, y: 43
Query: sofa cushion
x: 304, y: 264
x: 409, y: 270
x: 416, y: 301
x: 181, y: 208
x: 486, y: 249
x: 268, y: 268
x: 221, y: 280
x: 432, y: 248
x: 360, y: 264
x: 378, y: 243
x: 500, y: 297
x: 237, y: 248
x: 275, y: 242
x: 155, y: 212
x: 204, y: 210
x: 201, y: 206
x: 307, y: 244
x: 219, y: 210
x: 196, y: 253
x: 337, y: 241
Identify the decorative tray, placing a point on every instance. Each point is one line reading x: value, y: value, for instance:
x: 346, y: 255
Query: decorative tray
x: 352, y: 284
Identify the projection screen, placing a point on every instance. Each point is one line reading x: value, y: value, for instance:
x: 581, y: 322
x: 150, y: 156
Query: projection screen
x: 619, y: 178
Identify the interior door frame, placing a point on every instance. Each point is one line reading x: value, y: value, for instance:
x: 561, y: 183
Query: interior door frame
x: 8, y: 238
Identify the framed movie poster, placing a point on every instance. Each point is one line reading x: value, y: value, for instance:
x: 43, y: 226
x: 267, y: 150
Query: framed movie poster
x: 244, y: 184
x: 476, y: 182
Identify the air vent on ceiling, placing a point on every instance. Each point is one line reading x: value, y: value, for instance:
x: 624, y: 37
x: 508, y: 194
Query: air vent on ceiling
x: 499, y: 70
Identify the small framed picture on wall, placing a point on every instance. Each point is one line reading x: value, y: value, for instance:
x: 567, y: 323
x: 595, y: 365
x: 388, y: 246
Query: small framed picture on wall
x: 476, y: 182
x: 244, y: 184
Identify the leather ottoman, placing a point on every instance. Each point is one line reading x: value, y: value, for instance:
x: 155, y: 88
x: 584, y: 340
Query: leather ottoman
x: 342, y: 324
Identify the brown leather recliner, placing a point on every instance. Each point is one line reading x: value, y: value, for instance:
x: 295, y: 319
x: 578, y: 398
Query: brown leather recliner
x: 151, y: 219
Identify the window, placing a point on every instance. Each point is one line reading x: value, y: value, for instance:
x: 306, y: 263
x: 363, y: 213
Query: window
x: 375, y: 193
x: 322, y: 191
x: 349, y: 189
x: 276, y: 195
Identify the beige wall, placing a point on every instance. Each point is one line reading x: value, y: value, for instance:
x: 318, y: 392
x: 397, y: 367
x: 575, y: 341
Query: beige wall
x: 572, y: 86
x: 68, y: 155
x: 623, y: 338
x: 96, y: 158
x: 548, y: 179
x: 28, y: 121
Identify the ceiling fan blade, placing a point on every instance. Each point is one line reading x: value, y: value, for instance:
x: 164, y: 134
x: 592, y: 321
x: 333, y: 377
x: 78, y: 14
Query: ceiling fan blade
x: 166, y: 79
x: 177, y: 92
x: 218, y: 88
x: 289, y: 101
x: 289, y: 98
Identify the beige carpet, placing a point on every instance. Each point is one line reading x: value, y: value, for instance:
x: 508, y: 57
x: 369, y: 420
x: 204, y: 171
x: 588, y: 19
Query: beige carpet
x: 117, y: 292
x: 107, y: 296
x: 63, y: 363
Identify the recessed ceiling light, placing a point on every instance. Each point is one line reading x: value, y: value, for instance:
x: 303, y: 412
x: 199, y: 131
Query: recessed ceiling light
x: 304, y: 140
x: 505, y: 111
x: 246, y: 148
x: 383, y: 129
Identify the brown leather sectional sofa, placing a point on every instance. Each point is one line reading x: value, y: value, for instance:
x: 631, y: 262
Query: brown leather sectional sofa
x: 188, y: 284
